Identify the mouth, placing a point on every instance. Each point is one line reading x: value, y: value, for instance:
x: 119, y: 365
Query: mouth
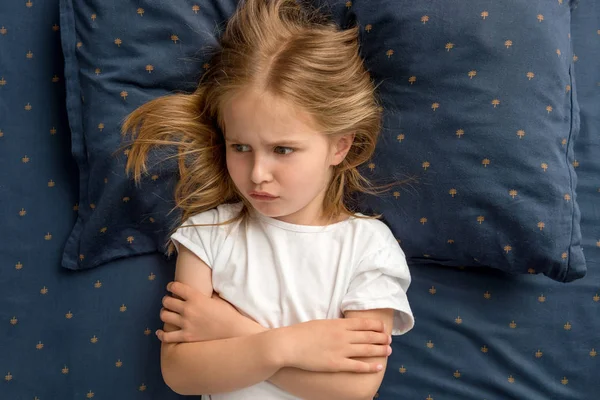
x: 263, y: 196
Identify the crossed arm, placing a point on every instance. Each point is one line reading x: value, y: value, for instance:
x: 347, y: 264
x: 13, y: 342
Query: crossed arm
x: 255, y: 354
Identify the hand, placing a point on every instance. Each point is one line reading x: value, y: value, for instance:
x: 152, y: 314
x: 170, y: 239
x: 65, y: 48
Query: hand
x: 331, y: 345
x: 198, y: 317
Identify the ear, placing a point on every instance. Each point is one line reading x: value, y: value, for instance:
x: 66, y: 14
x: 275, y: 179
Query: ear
x: 340, y: 147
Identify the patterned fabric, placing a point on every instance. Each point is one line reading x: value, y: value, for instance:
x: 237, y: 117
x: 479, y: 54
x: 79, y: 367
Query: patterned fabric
x: 481, y: 114
x: 486, y: 134
x: 63, y: 335
x: 586, y: 37
x: 69, y: 335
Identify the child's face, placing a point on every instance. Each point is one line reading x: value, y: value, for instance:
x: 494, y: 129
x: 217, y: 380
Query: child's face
x: 275, y: 148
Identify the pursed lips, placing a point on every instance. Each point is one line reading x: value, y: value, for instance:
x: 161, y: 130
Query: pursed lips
x: 262, y: 194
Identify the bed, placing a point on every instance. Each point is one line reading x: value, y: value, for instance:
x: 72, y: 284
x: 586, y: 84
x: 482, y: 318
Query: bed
x: 498, y: 316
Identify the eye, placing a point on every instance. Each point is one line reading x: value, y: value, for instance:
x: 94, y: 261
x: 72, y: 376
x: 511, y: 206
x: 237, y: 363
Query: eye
x: 241, y: 148
x: 283, y: 150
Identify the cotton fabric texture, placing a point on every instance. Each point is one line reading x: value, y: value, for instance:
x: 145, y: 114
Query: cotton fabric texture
x: 281, y: 274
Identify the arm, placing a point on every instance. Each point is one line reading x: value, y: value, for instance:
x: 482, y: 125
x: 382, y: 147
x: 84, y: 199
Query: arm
x: 327, y: 385
x: 354, y: 344
x: 312, y: 385
x: 201, y: 367
x: 340, y: 385
x: 218, y: 366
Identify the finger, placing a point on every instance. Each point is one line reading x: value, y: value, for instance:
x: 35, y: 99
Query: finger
x: 170, y: 317
x: 369, y: 337
x: 360, y: 367
x: 179, y: 289
x: 170, y: 337
x: 370, y: 350
x: 364, y: 324
x: 173, y: 304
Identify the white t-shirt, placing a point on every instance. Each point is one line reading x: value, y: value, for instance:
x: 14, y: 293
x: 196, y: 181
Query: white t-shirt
x: 280, y: 274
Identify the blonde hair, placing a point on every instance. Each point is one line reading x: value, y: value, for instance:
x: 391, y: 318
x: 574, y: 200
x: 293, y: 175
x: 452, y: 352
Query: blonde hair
x: 290, y: 51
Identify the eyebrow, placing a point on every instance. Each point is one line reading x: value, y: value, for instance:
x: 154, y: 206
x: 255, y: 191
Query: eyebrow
x: 281, y: 143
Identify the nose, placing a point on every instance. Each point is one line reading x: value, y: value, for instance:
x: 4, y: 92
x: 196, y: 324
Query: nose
x: 261, y: 171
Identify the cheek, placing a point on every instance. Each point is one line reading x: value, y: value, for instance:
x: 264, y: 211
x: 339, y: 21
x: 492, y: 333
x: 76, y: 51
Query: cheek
x: 310, y: 172
x: 235, y: 168
x: 229, y: 163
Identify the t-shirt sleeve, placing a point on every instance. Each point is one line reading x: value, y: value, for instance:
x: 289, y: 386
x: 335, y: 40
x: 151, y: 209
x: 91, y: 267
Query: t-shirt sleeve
x: 203, y: 241
x: 381, y: 281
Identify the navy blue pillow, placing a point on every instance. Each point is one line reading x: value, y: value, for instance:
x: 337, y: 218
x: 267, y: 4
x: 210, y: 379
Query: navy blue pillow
x: 480, y: 114
x: 586, y: 37
x: 117, y: 57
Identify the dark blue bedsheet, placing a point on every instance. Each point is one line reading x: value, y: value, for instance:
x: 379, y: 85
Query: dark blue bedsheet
x: 89, y: 334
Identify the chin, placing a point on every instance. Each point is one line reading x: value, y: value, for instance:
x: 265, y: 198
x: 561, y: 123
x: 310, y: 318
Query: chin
x: 267, y: 209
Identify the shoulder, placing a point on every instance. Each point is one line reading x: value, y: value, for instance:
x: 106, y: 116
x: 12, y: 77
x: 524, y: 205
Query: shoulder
x: 211, y: 224
x: 381, y: 252
x: 375, y: 242
x: 218, y: 215
x: 205, y: 233
x: 373, y: 230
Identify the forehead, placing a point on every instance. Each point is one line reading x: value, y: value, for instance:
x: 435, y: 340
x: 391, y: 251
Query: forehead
x: 253, y: 112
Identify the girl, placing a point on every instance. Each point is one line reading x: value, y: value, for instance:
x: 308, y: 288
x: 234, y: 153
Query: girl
x: 281, y: 291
